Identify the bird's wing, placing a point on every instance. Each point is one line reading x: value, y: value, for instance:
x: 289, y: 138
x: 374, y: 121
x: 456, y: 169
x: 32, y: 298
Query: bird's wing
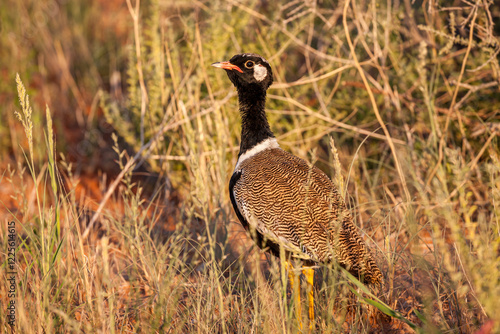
x: 295, y: 205
x: 288, y: 202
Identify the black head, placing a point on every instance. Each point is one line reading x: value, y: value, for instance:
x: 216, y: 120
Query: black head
x: 248, y: 69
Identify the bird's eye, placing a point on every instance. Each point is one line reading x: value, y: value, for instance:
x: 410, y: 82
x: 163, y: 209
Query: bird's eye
x: 249, y: 64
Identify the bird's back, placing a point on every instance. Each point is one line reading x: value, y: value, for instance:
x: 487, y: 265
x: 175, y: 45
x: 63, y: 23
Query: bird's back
x: 294, y: 204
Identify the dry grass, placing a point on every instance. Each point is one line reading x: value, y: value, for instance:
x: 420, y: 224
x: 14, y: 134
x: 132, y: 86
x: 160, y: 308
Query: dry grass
x: 119, y: 186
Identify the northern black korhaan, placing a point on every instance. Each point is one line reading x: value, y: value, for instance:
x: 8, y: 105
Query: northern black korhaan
x: 284, y: 201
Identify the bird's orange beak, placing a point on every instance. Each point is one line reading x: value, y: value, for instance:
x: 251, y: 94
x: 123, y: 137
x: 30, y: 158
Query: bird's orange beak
x: 227, y: 66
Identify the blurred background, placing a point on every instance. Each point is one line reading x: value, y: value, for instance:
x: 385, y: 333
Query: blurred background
x: 117, y: 174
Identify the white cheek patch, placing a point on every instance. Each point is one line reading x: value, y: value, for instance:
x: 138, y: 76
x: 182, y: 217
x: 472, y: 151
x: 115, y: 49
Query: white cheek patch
x: 259, y: 72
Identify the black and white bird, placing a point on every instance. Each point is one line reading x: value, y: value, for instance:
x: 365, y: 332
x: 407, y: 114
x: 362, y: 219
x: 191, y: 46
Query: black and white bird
x: 289, y: 206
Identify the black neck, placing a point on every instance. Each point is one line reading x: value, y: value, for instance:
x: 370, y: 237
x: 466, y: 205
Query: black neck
x: 254, y: 125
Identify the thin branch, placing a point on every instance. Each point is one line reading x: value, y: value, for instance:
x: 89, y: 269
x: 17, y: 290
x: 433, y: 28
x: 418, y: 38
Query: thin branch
x: 472, y: 165
x: 388, y: 137
x: 144, y: 94
x: 452, y: 105
x: 311, y: 80
x: 146, y: 149
x: 333, y: 121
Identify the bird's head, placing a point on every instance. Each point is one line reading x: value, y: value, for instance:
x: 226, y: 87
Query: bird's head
x: 247, y: 69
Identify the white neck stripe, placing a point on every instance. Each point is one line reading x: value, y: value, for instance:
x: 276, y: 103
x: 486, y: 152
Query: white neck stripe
x: 268, y: 143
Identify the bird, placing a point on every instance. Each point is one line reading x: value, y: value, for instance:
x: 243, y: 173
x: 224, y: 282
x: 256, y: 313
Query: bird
x: 290, y: 207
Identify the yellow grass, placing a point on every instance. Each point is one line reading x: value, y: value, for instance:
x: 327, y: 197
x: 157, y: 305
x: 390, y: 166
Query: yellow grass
x: 115, y: 167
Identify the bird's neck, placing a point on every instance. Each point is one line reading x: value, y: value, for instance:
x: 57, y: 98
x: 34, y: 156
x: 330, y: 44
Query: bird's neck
x: 254, y: 125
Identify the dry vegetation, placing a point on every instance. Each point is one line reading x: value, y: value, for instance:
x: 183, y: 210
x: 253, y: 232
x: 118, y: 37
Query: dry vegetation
x: 116, y: 175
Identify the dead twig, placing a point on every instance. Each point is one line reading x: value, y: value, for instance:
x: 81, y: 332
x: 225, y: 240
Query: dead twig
x: 145, y: 150
x: 452, y: 104
x: 144, y: 94
x: 388, y: 137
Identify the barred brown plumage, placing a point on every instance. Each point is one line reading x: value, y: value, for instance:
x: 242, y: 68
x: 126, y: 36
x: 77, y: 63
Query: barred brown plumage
x: 297, y: 205
x: 286, y: 203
